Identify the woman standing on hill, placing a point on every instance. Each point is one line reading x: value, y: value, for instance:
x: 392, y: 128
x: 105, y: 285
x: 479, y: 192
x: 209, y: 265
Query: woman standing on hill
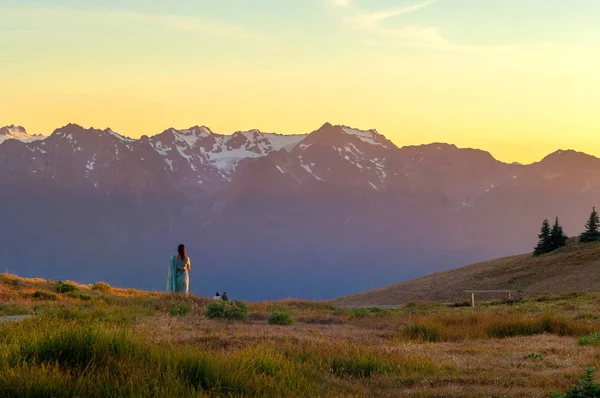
x: 178, y: 280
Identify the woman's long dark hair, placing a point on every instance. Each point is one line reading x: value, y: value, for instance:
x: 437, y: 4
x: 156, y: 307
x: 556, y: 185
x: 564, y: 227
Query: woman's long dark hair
x: 181, y: 251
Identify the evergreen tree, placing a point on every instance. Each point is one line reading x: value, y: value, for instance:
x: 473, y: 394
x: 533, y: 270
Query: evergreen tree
x: 592, y: 228
x: 558, y: 238
x: 544, y: 244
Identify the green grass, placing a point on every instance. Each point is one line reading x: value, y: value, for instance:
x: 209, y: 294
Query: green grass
x: 280, y: 318
x: 591, y: 340
x: 126, y: 343
x: 70, y: 359
x: 179, y: 310
x: 10, y: 309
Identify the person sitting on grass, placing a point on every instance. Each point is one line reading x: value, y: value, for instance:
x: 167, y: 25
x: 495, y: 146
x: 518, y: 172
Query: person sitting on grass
x: 224, y: 297
x: 217, y: 296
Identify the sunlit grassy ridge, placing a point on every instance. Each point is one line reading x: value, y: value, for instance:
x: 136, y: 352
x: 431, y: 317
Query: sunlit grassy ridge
x: 575, y: 267
x: 100, y: 341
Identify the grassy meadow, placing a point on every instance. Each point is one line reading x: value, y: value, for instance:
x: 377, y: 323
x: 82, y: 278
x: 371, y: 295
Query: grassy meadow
x: 98, y: 341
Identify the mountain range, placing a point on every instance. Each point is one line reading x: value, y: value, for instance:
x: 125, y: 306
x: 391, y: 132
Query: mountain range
x: 265, y: 215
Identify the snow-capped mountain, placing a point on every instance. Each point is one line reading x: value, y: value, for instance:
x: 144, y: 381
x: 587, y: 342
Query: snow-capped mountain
x: 317, y: 215
x: 201, y: 149
x: 17, y: 133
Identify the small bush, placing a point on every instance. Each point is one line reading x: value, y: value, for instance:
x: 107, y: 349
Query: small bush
x: 534, y: 355
x: 179, y: 310
x: 235, y: 310
x: 215, y: 310
x: 76, y: 294
x: 62, y: 287
x: 592, y: 339
x: 587, y: 388
x: 232, y: 310
x: 43, y: 295
x: 101, y: 286
x: 280, y: 318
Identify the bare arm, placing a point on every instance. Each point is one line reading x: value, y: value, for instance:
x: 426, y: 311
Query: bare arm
x: 186, y: 268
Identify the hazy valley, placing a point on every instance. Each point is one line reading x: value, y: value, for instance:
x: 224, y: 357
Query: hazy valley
x: 321, y: 215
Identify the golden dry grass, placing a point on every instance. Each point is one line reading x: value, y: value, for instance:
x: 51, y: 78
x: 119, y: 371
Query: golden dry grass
x: 422, y: 349
x: 575, y: 268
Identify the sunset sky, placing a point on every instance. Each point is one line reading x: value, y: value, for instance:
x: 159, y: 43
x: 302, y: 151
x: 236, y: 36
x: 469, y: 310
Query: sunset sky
x: 520, y: 78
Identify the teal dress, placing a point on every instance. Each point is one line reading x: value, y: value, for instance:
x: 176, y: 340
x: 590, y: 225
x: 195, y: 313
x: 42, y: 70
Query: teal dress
x: 178, y: 281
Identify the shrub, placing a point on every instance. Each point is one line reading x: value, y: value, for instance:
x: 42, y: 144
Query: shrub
x: 62, y: 287
x: 235, y: 310
x: 280, y: 318
x: 592, y: 339
x: 232, y: 310
x: 215, y: 310
x: 587, y: 388
x: 44, y: 295
x: 534, y: 355
x: 101, y: 286
x: 179, y: 310
x: 76, y: 294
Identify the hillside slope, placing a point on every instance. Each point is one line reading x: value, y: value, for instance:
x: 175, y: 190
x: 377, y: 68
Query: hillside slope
x: 573, y: 268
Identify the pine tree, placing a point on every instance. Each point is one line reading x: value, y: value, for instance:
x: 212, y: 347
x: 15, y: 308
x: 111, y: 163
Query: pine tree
x: 592, y: 228
x: 558, y: 238
x: 544, y: 244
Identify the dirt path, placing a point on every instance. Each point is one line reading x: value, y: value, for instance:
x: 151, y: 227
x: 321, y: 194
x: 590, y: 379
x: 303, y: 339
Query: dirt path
x: 14, y: 318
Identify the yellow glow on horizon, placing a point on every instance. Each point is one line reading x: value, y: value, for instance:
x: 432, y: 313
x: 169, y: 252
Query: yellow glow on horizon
x: 518, y: 112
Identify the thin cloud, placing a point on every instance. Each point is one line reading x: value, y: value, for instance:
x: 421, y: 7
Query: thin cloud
x: 378, y: 23
x: 371, y: 19
x: 208, y: 27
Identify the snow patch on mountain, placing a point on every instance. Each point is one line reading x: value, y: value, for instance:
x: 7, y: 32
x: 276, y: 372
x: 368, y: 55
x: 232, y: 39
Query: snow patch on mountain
x: 285, y: 142
x: 308, y: 168
x: 368, y: 136
x: 18, y: 133
x: 191, y: 136
x: 121, y: 137
x: 91, y: 163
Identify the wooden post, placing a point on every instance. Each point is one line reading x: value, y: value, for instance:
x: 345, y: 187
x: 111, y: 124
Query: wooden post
x: 473, y: 299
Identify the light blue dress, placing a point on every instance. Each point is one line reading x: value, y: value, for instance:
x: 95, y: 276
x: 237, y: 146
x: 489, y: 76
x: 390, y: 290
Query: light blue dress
x: 178, y: 281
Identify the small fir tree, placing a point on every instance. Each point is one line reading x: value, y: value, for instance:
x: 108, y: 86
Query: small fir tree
x: 558, y: 238
x: 544, y: 244
x: 592, y: 228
